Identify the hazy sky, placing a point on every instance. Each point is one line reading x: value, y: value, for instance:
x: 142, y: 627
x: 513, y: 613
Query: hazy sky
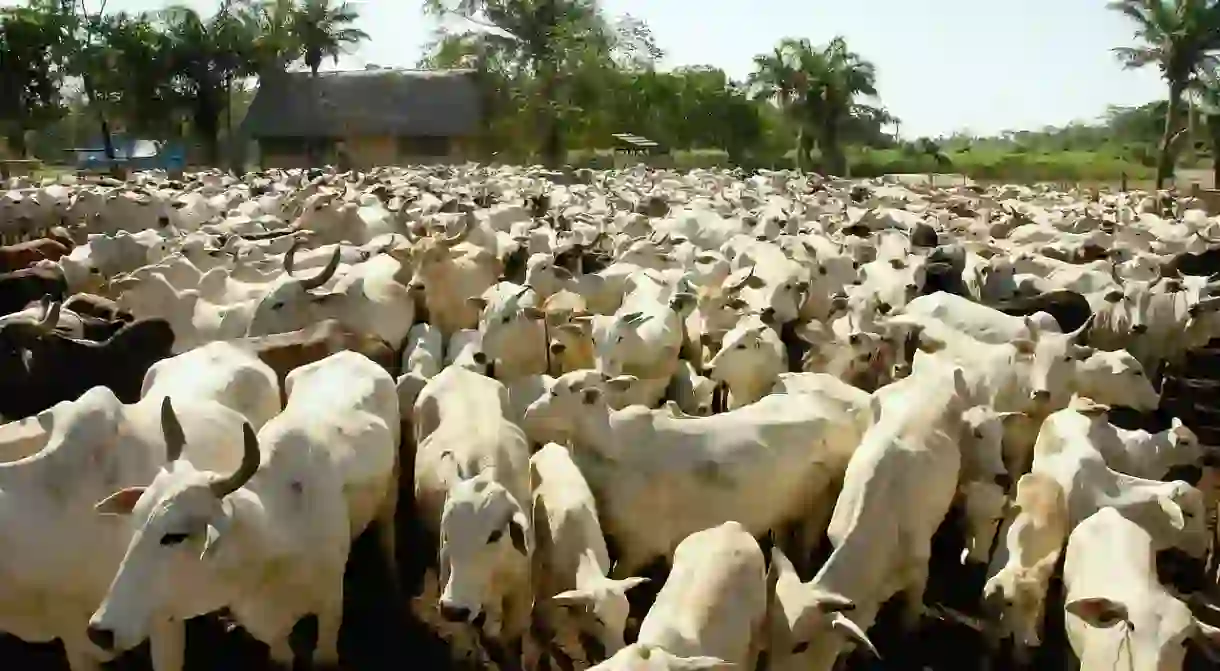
x: 943, y: 65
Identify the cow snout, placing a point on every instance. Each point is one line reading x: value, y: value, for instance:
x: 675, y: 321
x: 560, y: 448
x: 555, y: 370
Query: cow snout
x: 1139, y: 328
x: 450, y: 612
x: 1040, y: 395
x: 767, y: 315
x: 101, y: 637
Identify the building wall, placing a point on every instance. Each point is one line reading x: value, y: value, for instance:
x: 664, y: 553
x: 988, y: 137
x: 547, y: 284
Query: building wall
x: 370, y: 151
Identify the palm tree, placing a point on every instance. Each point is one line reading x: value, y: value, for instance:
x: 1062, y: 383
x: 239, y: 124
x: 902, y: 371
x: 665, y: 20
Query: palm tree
x: 1180, y: 37
x: 818, y: 89
x: 1207, y: 103
x: 324, y: 30
x: 838, y: 77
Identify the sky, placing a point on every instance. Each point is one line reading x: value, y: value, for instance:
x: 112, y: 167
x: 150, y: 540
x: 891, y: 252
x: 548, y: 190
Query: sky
x: 981, y: 66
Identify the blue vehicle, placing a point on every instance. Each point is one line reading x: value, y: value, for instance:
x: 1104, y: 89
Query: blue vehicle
x: 132, y: 153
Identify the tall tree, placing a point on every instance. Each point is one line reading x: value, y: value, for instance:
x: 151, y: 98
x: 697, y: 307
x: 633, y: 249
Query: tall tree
x: 30, y: 77
x: 324, y: 30
x: 542, y: 38
x: 818, y: 87
x: 1180, y: 37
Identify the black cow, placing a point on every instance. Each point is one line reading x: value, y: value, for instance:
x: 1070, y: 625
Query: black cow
x: 28, y: 285
x: 39, y: 368
x: 1068, y: 308
x: 1187, y: 263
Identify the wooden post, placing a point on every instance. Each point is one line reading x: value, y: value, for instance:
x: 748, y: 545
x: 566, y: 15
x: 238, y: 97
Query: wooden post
x: 1122, y: 184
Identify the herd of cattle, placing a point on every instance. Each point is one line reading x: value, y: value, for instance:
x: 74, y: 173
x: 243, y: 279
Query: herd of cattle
x: 624, y: 420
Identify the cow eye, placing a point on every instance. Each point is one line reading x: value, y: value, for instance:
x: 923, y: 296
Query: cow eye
x: 495, y: 536
x: 277, y: 305
x: 506, y: 319
x: 740, y: 345
x: 173, y: 539
x: 800, y: 647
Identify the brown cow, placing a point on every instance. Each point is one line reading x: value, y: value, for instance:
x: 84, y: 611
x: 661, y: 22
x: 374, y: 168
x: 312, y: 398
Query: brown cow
x: 285, y: 352
x: 25, y: 254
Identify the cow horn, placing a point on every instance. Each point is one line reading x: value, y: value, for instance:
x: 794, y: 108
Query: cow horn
x: 50, y: 317
x: 461, y: 235
x: 291, y: 254
x: 171, y: 430
x: 1081, y: 335
x: 1114, y: 272
x: 327, y: 272
x: 250, y: 458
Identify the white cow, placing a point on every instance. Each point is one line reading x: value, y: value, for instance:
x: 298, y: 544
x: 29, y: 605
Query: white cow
x: 572, y: 587
x: 689, y: 474
x: 1117, y: 614
x: 283, y: 520
x: 60, y: 554
x: 712, y: 609
x: 897, y: 489
x: 472, y: 491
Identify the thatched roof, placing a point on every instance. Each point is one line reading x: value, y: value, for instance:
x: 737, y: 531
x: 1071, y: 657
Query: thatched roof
x: 382, y: 101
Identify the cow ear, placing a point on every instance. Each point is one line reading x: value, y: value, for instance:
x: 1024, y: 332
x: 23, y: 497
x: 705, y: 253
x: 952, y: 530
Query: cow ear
x: 477, y: 303
x: 210, y: 541
x: 328, y: 296
x: 533, y: 314
x: 121, y: 502
x: 1098, y: 612
x: 622, y: 383
x: 516, y: 532
x: 573, y: 597
x: 1174, y: 512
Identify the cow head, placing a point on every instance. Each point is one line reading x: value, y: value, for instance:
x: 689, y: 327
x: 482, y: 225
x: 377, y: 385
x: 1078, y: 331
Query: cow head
x: 1150, y: 637
x: 749, y: 360
x: 293, y: 303
x: 1053, y: 359
x: 486, y: 540
x: 181, y: 522
x: 573, y: 400
x: 543, y: 274
x: 1015, y: 596
x: 601, y: 609
x: 807, y: 623
x: 1116, y: 378
x: 511, y: 324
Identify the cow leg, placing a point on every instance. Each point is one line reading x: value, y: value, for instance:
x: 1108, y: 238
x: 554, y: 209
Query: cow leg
x: 917, y: 583
x: 167, y: 645
x: 330, y: 616
x: 387, y: 531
